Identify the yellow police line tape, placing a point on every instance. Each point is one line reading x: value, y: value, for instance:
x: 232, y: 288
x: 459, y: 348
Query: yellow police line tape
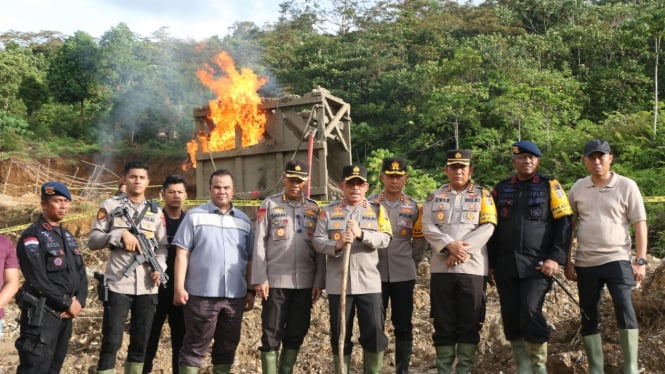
x: 73, y: 217
x: 239, y: 203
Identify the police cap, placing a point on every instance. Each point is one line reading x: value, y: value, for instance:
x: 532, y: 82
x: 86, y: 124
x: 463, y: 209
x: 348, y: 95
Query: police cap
x: 354, y: 171
x: 394, y: 166
x: 54, y: 188
x: 459, y: 156
x: 297, y: 169
x: 526, y: 146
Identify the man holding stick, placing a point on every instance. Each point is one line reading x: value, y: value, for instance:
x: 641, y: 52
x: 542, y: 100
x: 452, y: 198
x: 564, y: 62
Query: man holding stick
x: 360, y: 227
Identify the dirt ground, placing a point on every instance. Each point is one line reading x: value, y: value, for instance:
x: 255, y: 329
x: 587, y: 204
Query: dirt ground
x: 566, y: 354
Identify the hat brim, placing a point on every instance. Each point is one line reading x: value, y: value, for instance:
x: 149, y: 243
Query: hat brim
x: 603, y: 151
x: 392, y: 172
x: 298, y: 176
x: 352, y: 177
x: 459, y: 162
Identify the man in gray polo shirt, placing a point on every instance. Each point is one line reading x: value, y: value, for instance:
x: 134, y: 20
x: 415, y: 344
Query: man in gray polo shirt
x: 212, y: 270
x: 605, y: 205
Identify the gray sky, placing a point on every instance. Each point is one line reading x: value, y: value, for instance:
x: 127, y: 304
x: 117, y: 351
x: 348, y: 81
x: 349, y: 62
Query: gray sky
x: 192, y: 19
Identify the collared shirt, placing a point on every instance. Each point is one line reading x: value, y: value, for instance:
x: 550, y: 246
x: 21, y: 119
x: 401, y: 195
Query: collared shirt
x: 283, y: 252
x: 220, y: 247
x: 468, y: 215
x: 398, y: 262
x: 363, y: 276
x: 107, y: 232
x: 604, y: 218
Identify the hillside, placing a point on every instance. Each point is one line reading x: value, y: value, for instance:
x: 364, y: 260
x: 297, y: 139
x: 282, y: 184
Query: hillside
x: 19, y: 204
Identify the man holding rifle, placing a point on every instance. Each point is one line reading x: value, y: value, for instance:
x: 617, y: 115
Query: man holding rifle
x: 364, y: 226
x: 123, y: 224
x: 55, y: 287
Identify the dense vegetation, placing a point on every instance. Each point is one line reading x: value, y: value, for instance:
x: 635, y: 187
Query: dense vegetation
x: 422, y: 76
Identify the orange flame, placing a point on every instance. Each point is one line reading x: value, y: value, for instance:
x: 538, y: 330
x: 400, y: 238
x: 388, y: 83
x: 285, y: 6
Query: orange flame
x: 236, y: 105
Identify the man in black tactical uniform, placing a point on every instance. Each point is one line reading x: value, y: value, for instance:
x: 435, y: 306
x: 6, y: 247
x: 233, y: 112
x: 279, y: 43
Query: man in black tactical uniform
x: 55, y: 287
x: 531, y: 241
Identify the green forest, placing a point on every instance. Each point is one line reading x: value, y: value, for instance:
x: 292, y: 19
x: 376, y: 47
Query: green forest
x: 422, y: 77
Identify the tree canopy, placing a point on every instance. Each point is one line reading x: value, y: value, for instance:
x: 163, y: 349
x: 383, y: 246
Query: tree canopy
x: 422, y: 77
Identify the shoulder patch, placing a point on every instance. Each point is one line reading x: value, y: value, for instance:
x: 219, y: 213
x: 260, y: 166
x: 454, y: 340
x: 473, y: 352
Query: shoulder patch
x: 31, y: 245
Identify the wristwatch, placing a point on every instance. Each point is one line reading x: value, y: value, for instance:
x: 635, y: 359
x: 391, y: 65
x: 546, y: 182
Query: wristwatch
x: 641, y: 261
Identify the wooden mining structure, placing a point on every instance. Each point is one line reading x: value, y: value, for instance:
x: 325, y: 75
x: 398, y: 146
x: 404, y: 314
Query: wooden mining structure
x: 316, y: 123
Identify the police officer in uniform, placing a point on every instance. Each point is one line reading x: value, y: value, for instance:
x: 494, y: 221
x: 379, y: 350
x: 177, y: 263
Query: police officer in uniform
x: 398, y: 262
x: 366, y: 226
x: 458, y: 221
x: 55, y: 288
x: 531, y: 241
x: 138, y: 290
x: 287, y: 274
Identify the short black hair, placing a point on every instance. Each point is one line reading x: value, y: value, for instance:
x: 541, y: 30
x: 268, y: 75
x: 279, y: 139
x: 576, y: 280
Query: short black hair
x: 219, y: 172
x: 174, y: 179
x: 136, y: 164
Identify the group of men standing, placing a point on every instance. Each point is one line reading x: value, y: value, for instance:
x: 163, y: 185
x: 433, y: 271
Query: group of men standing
x: 516, y: 236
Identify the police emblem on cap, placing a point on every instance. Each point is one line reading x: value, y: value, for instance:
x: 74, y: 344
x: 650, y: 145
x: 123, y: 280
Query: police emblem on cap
x: 298, y: 168
x: 395, y: 165
x: 356, y: 170
x: 48, y: 190
x: 516, y: 149
x: 458, y: 155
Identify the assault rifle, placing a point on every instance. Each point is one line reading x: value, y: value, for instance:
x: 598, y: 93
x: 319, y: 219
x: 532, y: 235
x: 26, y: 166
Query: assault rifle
x: 148, y: 247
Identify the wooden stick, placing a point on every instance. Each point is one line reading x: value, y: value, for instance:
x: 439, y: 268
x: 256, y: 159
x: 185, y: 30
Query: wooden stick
x: 342, y: 303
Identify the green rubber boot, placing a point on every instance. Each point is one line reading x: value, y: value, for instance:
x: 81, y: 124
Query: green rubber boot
x: 372, y: 362
x: 347, y: 362
x: 466, y: 356
x: 221, y: 369
x: 629, y: 343
x: 593, y: 345
x: 287, y: 359
x: 269, y: 362
x: 403, y: 350
x: 184, y: 369
x: 445, y: 357
x: 133, y: 367
x: 521, y: 356
x: 538, y: 356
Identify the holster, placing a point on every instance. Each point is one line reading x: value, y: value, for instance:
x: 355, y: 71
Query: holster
x: 102, y: 287
x: 33, y: 306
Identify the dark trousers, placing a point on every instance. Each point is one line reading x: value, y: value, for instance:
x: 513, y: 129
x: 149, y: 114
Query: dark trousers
x: 370, y: 322
x: 207, y: 318
x: 285, y: 317
x: 165, y: 309
x: 42, y: 349
x: 400, y: 297
x: 115, y: 315
x: 618, y: 276
x: 457, y: 307
x: 522, y: 307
